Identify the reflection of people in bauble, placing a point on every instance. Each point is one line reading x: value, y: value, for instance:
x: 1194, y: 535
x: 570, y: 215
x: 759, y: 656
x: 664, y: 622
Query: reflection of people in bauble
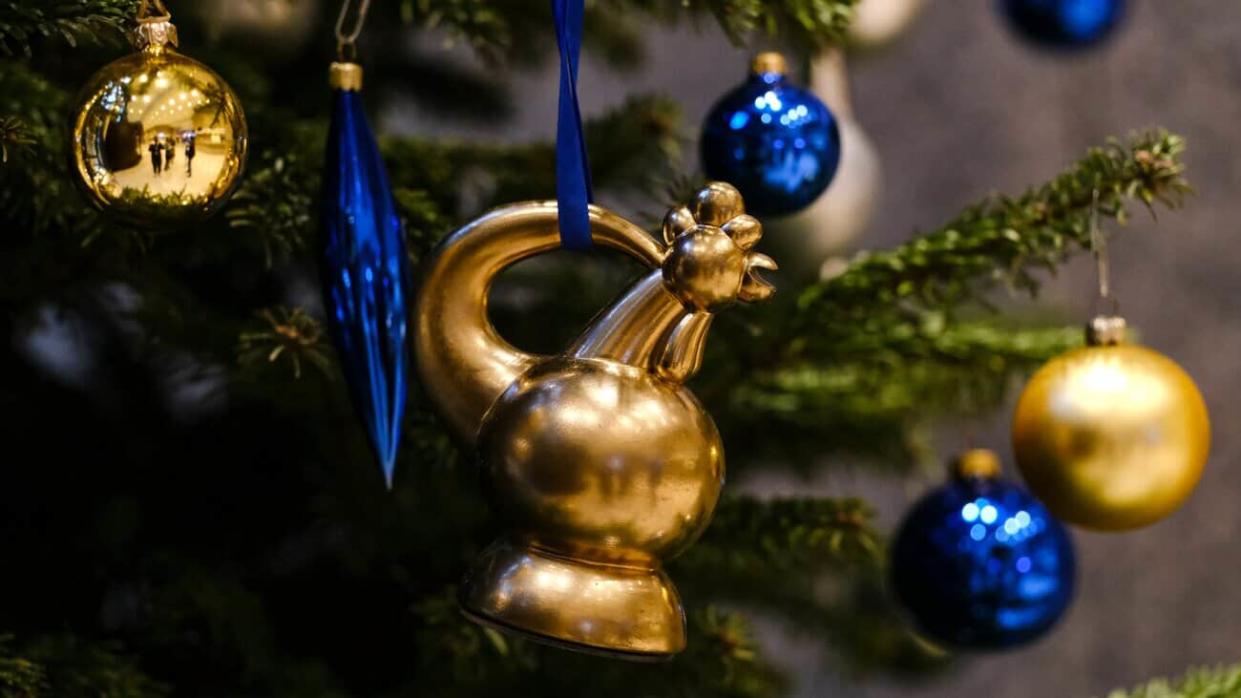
x: 170, y: 152
x: 157, y: 156
x: 190, y: 138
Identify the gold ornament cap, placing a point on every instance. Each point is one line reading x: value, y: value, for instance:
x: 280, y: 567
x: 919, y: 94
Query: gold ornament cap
x: 977, y: 464
x: 769, y: 62
x: 345, y: 76
x: 1106, y: 331
x: 155, y: 34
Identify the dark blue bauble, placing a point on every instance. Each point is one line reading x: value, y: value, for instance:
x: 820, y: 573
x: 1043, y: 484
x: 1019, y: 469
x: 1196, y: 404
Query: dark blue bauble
x: 980, y: 564
x: 777, y: 143
x: 1064, y: 23
x: 365, y: 282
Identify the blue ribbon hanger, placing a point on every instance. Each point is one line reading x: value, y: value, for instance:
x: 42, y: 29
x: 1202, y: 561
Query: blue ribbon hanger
x: 574, y: 192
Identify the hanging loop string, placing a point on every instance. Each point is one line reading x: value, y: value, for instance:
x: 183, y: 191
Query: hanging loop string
x: 1098, y: 243
x: 574, y: 191
x: 346, y: 41
x: 144, y: 11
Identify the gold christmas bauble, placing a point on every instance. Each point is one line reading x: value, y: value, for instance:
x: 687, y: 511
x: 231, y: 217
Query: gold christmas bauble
x: 1111, y: 436
x: 158, y: 139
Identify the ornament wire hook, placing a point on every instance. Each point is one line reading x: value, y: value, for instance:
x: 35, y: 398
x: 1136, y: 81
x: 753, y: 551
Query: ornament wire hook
x: 1098, y: 243
x: 346, y: 42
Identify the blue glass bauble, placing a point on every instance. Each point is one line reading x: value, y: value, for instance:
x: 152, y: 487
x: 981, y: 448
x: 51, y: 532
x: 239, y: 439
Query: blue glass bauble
x: 1064, y: 23
x: 777, y: 143
x: 363, y: 268
x: 980, y: 564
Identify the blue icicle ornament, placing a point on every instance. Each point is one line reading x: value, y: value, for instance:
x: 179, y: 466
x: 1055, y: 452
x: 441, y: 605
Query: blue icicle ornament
x: 364, y: 269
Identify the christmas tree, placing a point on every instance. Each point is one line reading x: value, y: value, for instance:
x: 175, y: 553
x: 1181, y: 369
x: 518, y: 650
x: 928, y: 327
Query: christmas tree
x: 197, y: 510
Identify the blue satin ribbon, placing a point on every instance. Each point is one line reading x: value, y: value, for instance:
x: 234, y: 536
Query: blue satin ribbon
x: 574, y: 192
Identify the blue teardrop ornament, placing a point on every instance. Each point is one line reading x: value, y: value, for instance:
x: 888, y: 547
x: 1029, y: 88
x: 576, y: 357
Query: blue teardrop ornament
x: 364, y: 275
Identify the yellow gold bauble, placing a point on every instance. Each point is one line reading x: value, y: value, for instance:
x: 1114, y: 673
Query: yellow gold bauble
x: 158, y: 139
x: 1111, y: 436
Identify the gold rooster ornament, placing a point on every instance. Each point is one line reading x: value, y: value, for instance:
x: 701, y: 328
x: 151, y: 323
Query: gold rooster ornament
x: 599, y: 459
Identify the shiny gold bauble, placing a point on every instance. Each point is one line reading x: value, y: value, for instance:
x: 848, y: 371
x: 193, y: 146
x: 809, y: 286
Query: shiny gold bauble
x: 158, y: 139
x: 599, y: 459
x: 1111, y: 436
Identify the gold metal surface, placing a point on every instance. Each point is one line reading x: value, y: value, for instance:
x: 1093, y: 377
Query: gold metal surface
x: 159, y: 139
x: 1111, y: 437
x: 977, y: 463
x: 769, y: 62
x: 345, y: 76
x: 602, y: 462
x: 155, y: 34
x: 1106, y: 330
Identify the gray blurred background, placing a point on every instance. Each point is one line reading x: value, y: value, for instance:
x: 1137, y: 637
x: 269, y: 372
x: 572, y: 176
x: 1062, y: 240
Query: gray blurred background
x: 958, y: 108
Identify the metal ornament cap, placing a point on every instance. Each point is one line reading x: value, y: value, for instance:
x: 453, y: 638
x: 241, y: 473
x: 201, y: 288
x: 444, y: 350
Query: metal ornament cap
x: 977, y: 464
x: 769, y: 63
x: 345, y: 76
x: 1106, y: 330
x: 1111, y: 436
x: 155, y: 34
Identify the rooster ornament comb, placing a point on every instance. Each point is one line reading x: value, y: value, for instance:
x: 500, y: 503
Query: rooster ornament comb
x: 599, y: 459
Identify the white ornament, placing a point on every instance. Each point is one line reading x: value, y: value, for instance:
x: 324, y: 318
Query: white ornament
x: 845, y: 210
x: 879, y: 22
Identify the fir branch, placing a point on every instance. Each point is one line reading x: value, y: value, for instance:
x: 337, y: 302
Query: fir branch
x: 631, y: 148
x: 749, y: 534
x: 813, y: 562
x: 875, y: 389
x: 13, y: 134
x: 901, y: 370
x: 1004, y: 239
x: 275, y: 206
x: 503, y: 29
x: 39, y: 196
x: 1219, y: 682
x: 291, y: 335
x: 67, y: 666
x: 878, y: 348
x: 20, y: 677
x: 425, y: 223
x: 812, y: 22
x: 69, y: 20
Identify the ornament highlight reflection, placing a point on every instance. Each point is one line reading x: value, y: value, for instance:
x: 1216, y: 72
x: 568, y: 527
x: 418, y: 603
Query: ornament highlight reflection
x: 980, y: 564
x: 600, y: 460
